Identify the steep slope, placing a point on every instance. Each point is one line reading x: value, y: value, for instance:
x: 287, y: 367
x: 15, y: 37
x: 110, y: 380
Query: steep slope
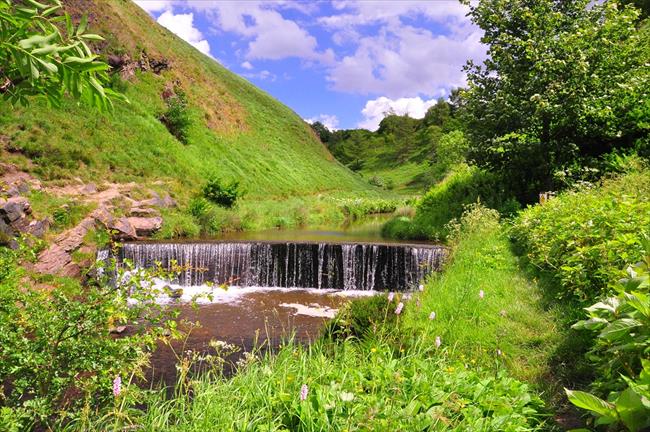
x: 237, y: 131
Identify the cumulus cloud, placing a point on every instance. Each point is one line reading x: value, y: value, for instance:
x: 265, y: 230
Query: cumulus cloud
x: 376, y: 109
x: 247, y: 65
x: 401, y: 59
x: 270, y: 35
x: 154, y: 5
x: 183, y: 26
x: 331, y: 122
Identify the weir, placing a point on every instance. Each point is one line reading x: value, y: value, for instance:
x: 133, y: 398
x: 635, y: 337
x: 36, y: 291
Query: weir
x: 291, y: 265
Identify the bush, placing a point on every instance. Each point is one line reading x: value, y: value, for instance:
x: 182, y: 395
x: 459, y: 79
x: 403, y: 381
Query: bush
x: 177, y: 118
x: 57, y: 354
x: 221, y: 193
x: 376, y: 181
x: 583, y: 238
x: 447, y: 200
x: 359, y: 317
x: 620, y: 352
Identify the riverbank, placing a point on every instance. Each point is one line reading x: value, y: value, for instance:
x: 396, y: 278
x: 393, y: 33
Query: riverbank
x: 459, y: 369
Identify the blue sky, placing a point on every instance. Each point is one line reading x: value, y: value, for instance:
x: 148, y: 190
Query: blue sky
x: 345, y: 63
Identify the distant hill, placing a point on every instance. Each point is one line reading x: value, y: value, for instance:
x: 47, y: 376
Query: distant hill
x: 401, y: 154
x: 236, y: 130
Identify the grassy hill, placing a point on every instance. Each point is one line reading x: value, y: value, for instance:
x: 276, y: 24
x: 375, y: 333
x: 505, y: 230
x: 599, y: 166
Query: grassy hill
x: 404, y: 153
x: 237, y: 131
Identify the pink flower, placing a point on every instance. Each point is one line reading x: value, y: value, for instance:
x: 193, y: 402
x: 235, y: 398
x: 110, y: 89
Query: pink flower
x: 391, y: 296
x: 421, y: 287
x: 303, y: 392
x: 438, y: 342
x: 432, y: 316
x: 117, y: 386
x: 481, y: 294
x: 398, y: 309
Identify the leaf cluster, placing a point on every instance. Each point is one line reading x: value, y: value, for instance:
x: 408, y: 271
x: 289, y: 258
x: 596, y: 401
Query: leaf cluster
x: 620, y: 352
x: 42, y: 53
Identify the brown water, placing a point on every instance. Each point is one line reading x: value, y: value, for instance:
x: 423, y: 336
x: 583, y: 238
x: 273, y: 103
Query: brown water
x: 261, y: 317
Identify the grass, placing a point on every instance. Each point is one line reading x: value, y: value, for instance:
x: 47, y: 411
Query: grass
x: 237, y: 131
x: 395, y: 377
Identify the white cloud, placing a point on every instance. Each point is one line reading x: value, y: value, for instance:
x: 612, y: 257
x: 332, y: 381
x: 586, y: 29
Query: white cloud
x: 183, y: 26
x: 270, y: 35
x: 262, y: 75
x: 376, y: 109
x: 154, y: 5
x: 247, y: 65
x: 331, y: 122
x: 400, y: 59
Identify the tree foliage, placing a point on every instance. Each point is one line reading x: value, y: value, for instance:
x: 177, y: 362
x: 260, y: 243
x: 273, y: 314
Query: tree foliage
x: 42, y: 53
x: 565, y: 81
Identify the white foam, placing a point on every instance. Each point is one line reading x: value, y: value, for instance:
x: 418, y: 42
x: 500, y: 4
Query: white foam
x: 205, y: 294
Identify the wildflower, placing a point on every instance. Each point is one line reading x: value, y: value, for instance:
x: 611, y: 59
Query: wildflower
x: 391, y: 296
x: 373, y: 349
x: 432, y: 316
x: 481, y: 294
x: 398, y: 309
x: 421, y: 287
x: 438, y: 342
x: 117, y: 386
x: 417, y: 303
x: 303, y: 392
x: 499, y: 353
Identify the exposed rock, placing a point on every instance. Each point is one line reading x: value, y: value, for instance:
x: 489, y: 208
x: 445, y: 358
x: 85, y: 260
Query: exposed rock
x: 118, y: 330
x: 14, y: 209
x: 145, y: 227
x: 144, y: 212
x: 89, y: 189
x: 57, y: 259
x: 38, y: 228
x: 125, y: 231
x: 103, y: 215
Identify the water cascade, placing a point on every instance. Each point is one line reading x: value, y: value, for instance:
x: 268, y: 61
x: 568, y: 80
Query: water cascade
x: 299, y: 265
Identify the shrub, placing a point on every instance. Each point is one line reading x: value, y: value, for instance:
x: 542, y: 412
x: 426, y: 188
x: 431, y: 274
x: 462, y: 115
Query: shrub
x: 221, y: 193
x: 447, y: 200
x: 620, y: 352
x: 359, y: 317
x: 177, y: 118
x: 376, y: 181
x: 57, y: 354
x: 584, y: 237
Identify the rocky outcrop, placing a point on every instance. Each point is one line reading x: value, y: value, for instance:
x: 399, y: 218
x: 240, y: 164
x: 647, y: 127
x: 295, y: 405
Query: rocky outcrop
x: 16, y: 218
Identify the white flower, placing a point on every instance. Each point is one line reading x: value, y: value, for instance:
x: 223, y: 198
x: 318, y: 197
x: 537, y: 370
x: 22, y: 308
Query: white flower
x: 438, y: 342
x: 432, y: 316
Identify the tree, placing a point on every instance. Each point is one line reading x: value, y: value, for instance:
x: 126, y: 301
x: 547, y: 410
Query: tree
x: 43, y: 54
x: 561, y: 86
x: 322, y: 131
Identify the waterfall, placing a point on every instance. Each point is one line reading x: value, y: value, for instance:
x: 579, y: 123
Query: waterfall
x: 291, y: 265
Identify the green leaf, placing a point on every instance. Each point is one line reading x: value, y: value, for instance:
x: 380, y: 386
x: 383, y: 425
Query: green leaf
x: 82, y: 25
x: 91, y: 36
x: 631, y: 410
x: 75, y: 59
x: 619, y: 328
x: 36, y: 40
x: 590, y: 402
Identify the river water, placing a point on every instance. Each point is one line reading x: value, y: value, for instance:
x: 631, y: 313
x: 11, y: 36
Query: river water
x: 307, y: 276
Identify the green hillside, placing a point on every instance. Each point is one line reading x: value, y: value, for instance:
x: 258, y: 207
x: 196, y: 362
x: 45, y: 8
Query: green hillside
x: 404, y: 153
x: 237, y: 131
